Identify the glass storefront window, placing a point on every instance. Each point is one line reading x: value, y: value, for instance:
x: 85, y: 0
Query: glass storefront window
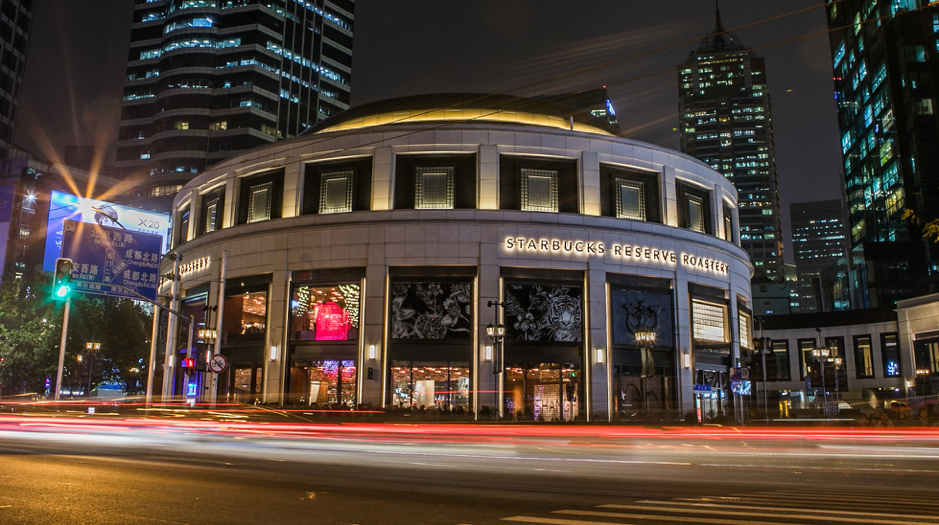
x: 891, y: 354
x: 245, y: 318
x: 326, y: 384
x: 543, y: 392
x: 781, y: 351
x: 246, y: 384
x: 430, y: 384
x: 325, y: 313
x: 863, y: 356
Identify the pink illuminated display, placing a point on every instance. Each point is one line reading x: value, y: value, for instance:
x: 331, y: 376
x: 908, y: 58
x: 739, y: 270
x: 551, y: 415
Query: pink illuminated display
x: 332, y: 322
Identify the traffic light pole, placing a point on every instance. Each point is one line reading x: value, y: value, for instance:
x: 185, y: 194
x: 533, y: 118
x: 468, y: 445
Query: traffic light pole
x: 58, y: 374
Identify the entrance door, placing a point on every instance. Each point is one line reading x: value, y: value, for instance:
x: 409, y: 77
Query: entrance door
x: 543, y: 392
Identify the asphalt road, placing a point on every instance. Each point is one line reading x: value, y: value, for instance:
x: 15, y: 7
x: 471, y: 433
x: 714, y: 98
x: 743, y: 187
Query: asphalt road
x: 386, y: 475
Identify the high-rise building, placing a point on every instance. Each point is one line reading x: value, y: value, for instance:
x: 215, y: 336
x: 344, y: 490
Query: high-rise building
x: 207, y: 79
x: 886, y: 76
x: 726, y: 122
x: 16, y: 18
x: 818, y: 241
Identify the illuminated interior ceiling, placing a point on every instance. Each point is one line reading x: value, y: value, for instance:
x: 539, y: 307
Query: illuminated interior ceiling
x: 463, y: 114
x: 255, y: 304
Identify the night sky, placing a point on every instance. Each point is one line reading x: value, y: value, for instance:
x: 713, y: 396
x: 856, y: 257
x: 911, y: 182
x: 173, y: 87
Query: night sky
x: 78, y: 51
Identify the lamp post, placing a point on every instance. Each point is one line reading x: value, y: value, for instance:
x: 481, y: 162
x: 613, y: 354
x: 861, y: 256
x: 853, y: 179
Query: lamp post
x: 496, y: 333
x: 91, y: 347
x: 646, y: 319
x: 822, y: 355
x: 763, y: 345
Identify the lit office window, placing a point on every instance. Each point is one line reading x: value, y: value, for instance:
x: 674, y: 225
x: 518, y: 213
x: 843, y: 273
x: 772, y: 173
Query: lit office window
x: 259, y: 202
x: 336, y: 192
x: 433, y: 188
x: 631, y: 203
x: 539, y: 190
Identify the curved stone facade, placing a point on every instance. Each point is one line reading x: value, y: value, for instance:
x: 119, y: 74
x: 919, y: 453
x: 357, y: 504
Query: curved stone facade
x: 406, y: 291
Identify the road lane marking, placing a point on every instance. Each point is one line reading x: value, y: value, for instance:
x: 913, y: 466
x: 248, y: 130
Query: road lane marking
x: 661, y: 517
x: 844, y: 495
x: 812, y: 516
x: 557, y: 521
x: 787, y: 509
x: 872, y: 505
x: 842, y: 499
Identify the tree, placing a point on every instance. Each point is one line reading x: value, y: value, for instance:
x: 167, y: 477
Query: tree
x: 29, y: 329
x: 930, y: 229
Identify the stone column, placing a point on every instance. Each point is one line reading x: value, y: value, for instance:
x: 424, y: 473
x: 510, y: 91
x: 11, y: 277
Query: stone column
x: 590, y: 184
x: 293, y: 188
x: 277, y: 302
x: 488, y: 178
x: 599, y: 343
x: 383, y: 179
x: 488, y: 290
x: 373, y: 330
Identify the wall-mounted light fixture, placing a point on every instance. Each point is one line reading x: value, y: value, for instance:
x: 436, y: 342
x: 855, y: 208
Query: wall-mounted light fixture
x: 273, y: 353
x: 599, y: 355
x: 488, y: 354
x: 372, y: 351
x: 686, y: 360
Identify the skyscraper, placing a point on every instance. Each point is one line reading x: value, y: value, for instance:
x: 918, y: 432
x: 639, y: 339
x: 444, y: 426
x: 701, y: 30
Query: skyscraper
x: 818, y: 241
x: 886, y: 75
x: 726, y: 122
x: 209, y: 78
x: 16, y: 18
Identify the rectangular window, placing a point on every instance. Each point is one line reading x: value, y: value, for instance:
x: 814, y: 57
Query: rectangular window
x: 743, y: 326
x: 259, y: 202
x: 539, y: 190
x: 694, y: 208
x: 337, y: 187
x: 805, y: 355
x: 628, y: 193
x: 245, y: 317
x: 781, y: 351
x: 708, y: 322
x: 728, y: 224
x: 326, y: 312
x: 863, y: 356
x: 211, y: 212
x: 182, y: 234
x: 631, y: 203
x: 336, y: 191
x: 261, y: 197
x: 890, y: 351
x: 433, y: 188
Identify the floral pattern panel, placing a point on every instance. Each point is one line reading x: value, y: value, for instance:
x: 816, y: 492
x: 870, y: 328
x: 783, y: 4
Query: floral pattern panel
x: 536, y: 312
x: 431, y: 310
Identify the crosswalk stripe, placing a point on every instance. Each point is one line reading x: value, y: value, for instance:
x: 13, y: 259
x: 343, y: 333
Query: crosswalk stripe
x: 813, y: 515
x: 871, y: 505
x: 660, y: 517
x: 845, y: 495
x: 838, y: 499
x: 789, y: 509
x: 557, y: 521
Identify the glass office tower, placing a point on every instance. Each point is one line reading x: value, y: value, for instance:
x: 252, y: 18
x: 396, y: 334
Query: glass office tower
x: 726, y: 122
x: 16, y: 17
x: 210, y: 78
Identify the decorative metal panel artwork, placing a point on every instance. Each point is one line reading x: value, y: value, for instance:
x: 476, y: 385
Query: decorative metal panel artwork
x: 695, y: 213
x: 336, y: 192
x: 544, y: 313
x: 431, y: 310
x: 433, y: 188
x: 708, y: 322
x: 631, y: 203
x: 539, y: 190
x: 259, y: 202
x: 629, y: 308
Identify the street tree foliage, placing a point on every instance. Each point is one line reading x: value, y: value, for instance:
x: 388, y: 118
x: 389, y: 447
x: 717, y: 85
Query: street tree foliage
x: 30, y: 329
x: 29, y: 336
x: 930, y: 228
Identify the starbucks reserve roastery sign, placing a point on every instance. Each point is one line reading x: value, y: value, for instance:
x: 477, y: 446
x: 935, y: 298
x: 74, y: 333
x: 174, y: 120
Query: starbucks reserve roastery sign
x: 622, y: 252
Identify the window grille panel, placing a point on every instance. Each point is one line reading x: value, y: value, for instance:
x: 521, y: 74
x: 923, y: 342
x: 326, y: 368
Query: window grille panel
x: 631, y: 203
x: 539, y: 190
x: 211, y: 214
x: 695, y: 213
x: 336, y: 192
x: 433, y: 188
x: 259, y: 202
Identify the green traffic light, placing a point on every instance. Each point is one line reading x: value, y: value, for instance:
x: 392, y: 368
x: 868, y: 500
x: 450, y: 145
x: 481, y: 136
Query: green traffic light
x: 62, y: 291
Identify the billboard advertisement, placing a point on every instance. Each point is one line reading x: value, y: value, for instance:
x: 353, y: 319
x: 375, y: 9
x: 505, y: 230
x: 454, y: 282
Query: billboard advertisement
x: 65, y: 206
x: 104, y: 257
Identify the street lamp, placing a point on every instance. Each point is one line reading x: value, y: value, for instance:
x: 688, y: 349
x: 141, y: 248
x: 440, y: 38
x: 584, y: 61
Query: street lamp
x: 496, y: 333
x: 91, y: 347
x: 763, y: 345
x: 822, y: 355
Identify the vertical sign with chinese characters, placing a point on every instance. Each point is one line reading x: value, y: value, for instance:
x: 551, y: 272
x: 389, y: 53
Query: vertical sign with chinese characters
x: 105, y: 256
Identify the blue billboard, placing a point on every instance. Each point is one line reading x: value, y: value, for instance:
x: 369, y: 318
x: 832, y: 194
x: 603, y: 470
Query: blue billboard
x: 65, y: 206
x: 104, y: 257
